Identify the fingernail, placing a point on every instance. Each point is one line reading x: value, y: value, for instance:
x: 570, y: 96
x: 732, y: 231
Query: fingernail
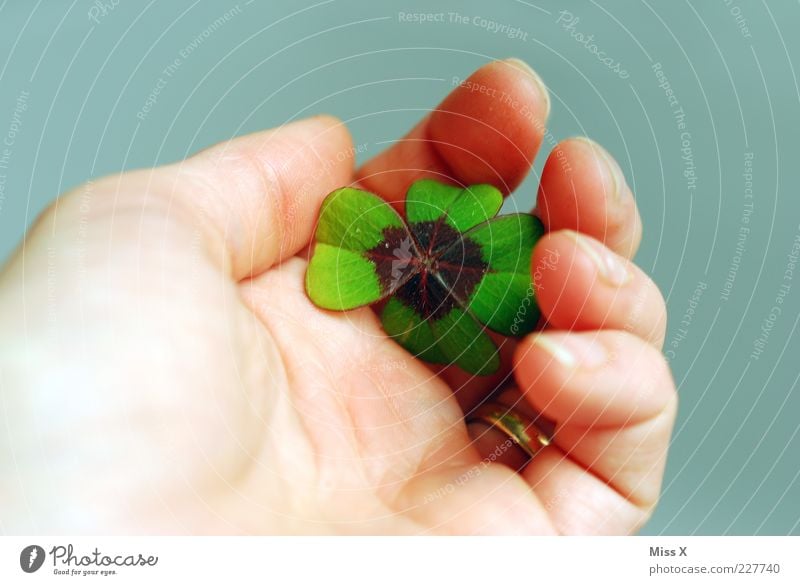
x: 610, y: 266
x: 574, y: 350
x: 618, y: 188
x: 519, y: 63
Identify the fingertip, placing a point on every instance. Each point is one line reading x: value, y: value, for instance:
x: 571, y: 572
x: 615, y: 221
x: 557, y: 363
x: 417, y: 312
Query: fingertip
x: 593, y: 378
x: 581, y: 284
x: 561, y: 276
x: 487, y: 130
x: 584, y: 189
x: 261, y: 192
x: 531, y: 72
x: 490, y: 127
x: 330, y: 139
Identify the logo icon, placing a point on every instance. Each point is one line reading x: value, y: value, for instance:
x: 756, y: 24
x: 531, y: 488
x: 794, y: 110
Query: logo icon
x: 31, y: 558
x: 402, y: 260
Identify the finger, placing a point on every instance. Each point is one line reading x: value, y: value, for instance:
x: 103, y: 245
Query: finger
x: 490, y: 441
x: 577, y: 500
x: 589, y: 484
x: 630, y: 459
x: 584, y: 189
x: 582, y: 285
x: 613, y: 400
x: 256, y: 198
x: 487, y: 130
x: 593, y: 379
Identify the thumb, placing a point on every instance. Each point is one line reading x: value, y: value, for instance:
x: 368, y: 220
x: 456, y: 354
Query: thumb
x: 256, y: 197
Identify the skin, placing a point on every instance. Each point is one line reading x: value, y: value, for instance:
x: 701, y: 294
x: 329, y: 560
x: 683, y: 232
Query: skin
x: 166, y: 373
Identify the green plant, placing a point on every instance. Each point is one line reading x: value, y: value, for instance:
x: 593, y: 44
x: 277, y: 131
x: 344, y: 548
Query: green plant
x: 448, y: 271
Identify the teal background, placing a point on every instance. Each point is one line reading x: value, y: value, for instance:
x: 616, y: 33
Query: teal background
x: 734, y: 464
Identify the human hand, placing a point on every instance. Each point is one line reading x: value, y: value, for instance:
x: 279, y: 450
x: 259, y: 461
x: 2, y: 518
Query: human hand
x: 170, y: 375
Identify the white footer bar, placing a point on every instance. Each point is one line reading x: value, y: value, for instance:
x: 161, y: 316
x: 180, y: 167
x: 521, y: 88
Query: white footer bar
x: 400, y: 560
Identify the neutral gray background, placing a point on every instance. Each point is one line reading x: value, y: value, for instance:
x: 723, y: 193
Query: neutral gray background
x: 734, y: 461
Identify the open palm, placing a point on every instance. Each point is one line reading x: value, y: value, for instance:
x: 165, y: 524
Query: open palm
x: 173, y: 376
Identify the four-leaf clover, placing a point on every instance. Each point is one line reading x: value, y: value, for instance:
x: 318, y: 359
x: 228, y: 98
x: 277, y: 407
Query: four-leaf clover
x: 450, y: 270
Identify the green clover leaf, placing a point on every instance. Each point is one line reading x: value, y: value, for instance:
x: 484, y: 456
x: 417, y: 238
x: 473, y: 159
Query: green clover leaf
x: 450, y: 270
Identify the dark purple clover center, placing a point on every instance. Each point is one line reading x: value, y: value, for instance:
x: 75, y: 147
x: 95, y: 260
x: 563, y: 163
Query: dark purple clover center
x: 431, y: 271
